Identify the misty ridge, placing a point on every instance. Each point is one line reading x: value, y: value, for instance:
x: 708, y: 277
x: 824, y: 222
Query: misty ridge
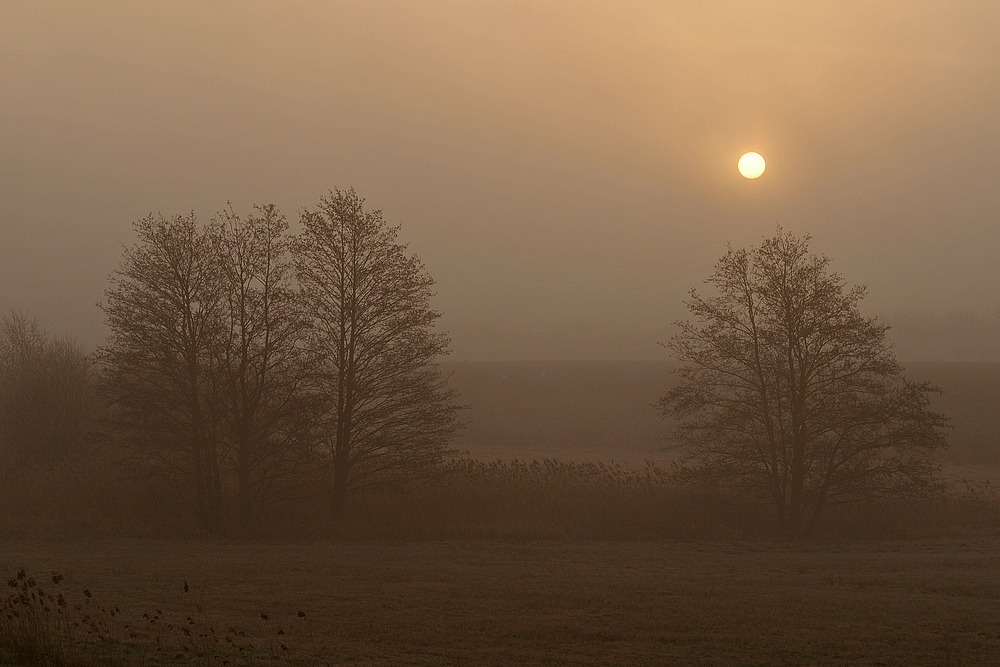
x: 263, y: 384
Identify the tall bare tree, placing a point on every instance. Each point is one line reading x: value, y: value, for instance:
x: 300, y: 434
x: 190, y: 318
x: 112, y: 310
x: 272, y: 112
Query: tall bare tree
x: 389, y: 412
x: 164, y: 308
x: 788, y: 393
x: 261, y: 361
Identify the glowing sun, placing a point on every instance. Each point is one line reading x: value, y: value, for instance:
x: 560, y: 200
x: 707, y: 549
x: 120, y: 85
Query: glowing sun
x: 751, y: 165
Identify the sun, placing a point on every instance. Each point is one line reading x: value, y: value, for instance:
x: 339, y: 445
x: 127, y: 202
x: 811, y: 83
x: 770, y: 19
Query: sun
x: 751, y: 165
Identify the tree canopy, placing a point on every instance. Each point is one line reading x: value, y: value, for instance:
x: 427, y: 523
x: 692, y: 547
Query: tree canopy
x: 388, y: 410
x: 790, y: 395
x: 243, y: 358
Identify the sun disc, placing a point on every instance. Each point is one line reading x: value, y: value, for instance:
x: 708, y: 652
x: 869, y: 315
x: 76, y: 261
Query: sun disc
x: 751, y: 165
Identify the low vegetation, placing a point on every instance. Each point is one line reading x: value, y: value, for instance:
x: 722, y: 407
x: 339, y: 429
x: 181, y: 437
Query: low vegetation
x: 476, y: 602
x: 470, y: 498
x: 44, y: 623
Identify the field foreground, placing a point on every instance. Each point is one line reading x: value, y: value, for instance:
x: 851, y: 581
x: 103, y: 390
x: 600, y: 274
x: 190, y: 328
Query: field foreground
x: 535, y: 603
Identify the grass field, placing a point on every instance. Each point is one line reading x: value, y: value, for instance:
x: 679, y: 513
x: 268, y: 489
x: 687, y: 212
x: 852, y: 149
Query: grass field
x: 507, y: 601
x: 547, y: 603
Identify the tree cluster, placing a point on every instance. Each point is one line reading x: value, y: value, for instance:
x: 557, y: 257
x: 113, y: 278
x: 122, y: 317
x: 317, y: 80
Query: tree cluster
x: 243, y: 360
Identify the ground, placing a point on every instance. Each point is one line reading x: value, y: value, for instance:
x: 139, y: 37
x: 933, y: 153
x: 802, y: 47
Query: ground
x: 546, y: 603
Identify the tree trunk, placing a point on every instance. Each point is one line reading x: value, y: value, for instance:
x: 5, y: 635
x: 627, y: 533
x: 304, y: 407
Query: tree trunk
x: 201, y: 494
x: 341, y: 470
x: 216, y: 491
x: 245, y: 502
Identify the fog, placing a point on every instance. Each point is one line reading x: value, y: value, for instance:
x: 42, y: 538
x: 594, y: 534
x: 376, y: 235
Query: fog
x: 566, y: 170
x: 220, y: 444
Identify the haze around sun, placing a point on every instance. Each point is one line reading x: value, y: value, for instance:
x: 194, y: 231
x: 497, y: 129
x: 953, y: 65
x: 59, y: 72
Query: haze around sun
x: 564, y: 169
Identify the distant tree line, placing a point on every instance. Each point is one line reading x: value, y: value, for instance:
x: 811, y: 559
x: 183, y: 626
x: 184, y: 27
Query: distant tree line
x: 48, y: 405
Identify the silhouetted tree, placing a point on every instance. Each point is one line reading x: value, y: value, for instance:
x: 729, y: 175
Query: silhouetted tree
x: 388, y: 411
x: 47, y: 401
x: 261, y: 364
x: 788, y: 393
x: 164, y: 308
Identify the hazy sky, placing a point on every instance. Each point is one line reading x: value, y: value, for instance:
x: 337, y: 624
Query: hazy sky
x: 566, y: 170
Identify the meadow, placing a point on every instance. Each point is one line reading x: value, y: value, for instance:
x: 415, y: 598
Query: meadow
x: 559, y: 557
x: 536, y: 602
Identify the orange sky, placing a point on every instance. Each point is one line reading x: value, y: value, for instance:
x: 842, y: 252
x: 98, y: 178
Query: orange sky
x: 567, y: 170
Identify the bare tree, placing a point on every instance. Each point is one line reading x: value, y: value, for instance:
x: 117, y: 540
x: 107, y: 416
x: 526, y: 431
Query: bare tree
x: 47, y: 403
x: 164, y: 309
x: 262, y: 367
x: 389, y: 412
x: 788, y: 393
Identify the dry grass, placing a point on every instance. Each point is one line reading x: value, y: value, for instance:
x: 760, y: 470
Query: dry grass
x: 41, y: 623
x: 545, y: 499
x: 471, y: 499
x: 52, y: 625
x: 555, y: 603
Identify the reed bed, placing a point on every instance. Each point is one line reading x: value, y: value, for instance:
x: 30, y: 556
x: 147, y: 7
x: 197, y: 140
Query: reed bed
x: 470, y: 498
